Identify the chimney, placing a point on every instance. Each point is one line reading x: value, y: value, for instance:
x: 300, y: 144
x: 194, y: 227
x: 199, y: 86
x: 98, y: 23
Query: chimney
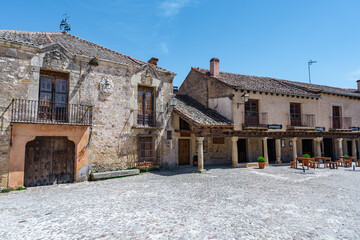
x: 153, y: 61
x: 358, y: 87
x: 214, y: 67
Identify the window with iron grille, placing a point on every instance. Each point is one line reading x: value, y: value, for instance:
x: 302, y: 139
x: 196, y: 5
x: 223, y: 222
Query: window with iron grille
x: 146, y: 149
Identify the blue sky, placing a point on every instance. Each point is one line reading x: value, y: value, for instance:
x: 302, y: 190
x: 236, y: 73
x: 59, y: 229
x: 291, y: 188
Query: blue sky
x: 273, y: 38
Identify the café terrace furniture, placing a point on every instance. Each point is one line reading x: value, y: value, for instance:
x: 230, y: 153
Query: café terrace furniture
x: 293, y: 164
x: 333, y: 165
x: 357, y: 163
x: 305, y: 161
x: 348, y: 161
x: 326, y: 160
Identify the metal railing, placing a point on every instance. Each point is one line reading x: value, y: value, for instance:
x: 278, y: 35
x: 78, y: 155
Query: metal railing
x: 301, y: 120
x: 148, y: 120
x: 255, y: 119
x: 33, y: 111
x: 340, y: 122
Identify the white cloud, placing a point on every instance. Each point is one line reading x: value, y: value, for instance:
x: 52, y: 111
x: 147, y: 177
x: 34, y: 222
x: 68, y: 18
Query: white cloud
x: 170, y: 8
x: 164, y: 48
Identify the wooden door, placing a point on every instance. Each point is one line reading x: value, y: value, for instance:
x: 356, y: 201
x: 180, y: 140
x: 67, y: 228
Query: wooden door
x: 328, y: 147
x: 252, y: 112
x: 49, y: 160
x: 307, y: 147
x: 241, y: 143
x: 271, y: 150
x: 184, y: 151
x: 336, y: 117
x: 295, y: 114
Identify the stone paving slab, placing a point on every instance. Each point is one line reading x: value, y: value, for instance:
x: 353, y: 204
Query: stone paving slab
x: 223, y: 203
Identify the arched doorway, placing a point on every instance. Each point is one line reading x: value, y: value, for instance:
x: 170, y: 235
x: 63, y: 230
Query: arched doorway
x: 49, y: 160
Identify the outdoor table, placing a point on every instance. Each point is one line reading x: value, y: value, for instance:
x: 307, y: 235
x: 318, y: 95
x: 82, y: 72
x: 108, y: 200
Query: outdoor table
x: 304, y: 161
x: 326, y: 160
x: 347, y: 161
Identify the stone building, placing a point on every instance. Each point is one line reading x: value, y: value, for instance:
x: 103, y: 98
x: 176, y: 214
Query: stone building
x: 233, y: 118
x: 69, y: 106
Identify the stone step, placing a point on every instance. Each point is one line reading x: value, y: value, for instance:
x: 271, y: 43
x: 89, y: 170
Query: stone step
x: 114, y: 174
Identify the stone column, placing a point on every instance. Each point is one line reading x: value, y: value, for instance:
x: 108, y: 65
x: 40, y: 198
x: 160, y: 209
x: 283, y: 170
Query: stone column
x: 266, y: 156
x: 234, y: 151
x: 354, y: 153
x: 294, y: 148
x: 318, y: 146
x: 200, y: 141
x: 341, y: 153
x: 278, y: 151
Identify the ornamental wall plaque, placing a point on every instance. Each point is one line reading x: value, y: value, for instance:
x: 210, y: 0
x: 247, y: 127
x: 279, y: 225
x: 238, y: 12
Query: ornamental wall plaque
x: 106, y: 87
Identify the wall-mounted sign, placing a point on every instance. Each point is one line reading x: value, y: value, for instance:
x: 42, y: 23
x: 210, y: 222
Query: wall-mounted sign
x: 274, y: 126
x: 320, y: 129
x: 355, y: 128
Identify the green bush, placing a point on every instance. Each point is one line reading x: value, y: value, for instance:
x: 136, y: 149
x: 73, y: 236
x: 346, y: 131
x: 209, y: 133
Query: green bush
x: 306, y: 156
x: 261, y: 159
x: 346, y: 155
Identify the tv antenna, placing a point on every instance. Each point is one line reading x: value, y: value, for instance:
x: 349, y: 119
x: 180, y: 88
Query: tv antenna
x: 64, y: 25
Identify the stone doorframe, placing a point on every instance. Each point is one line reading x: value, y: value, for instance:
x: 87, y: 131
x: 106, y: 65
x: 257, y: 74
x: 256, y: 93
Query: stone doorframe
x: 23, y: 133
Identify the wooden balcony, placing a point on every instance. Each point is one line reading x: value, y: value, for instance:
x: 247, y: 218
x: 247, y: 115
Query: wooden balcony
x: 301, y: 122
x: 255, y: 120
x: 45, y: 112
x: 340, y: 123
x: 151, y: 119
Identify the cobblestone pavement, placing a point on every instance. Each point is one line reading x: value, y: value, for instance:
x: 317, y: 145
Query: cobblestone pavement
x: 224, y: 203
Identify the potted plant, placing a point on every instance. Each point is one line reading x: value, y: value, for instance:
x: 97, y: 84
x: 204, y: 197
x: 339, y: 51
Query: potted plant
x: 306, y: 162
x: 261, y: 162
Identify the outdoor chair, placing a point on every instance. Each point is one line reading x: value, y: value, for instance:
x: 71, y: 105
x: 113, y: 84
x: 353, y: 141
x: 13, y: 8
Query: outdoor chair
x: 314, y: 164
x: 340, y: 162
x: 293, y: 164
x: 347, y: 162
x: 333, y: 165
x: 357, y: 163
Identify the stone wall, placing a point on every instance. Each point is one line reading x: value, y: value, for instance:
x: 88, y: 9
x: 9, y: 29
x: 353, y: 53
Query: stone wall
x: 110, y: 88
x: 195, y: 85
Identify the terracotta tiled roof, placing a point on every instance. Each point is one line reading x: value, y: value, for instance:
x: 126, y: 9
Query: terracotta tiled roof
x: 71, y: 43
x: 198, y: 114
x: 274, y: 85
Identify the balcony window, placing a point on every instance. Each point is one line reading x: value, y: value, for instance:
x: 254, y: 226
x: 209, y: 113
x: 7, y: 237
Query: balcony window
x: 53, y: 96
x: 145, y: 111
x: 252, y: 112
x: 295, y: 114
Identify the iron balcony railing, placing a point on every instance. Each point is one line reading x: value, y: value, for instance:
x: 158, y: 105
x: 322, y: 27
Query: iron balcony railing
x: 255, y: 119
x: 150, y: 119
x: 33, y: 111
x: 340, y: 122
x: 301, y: 120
